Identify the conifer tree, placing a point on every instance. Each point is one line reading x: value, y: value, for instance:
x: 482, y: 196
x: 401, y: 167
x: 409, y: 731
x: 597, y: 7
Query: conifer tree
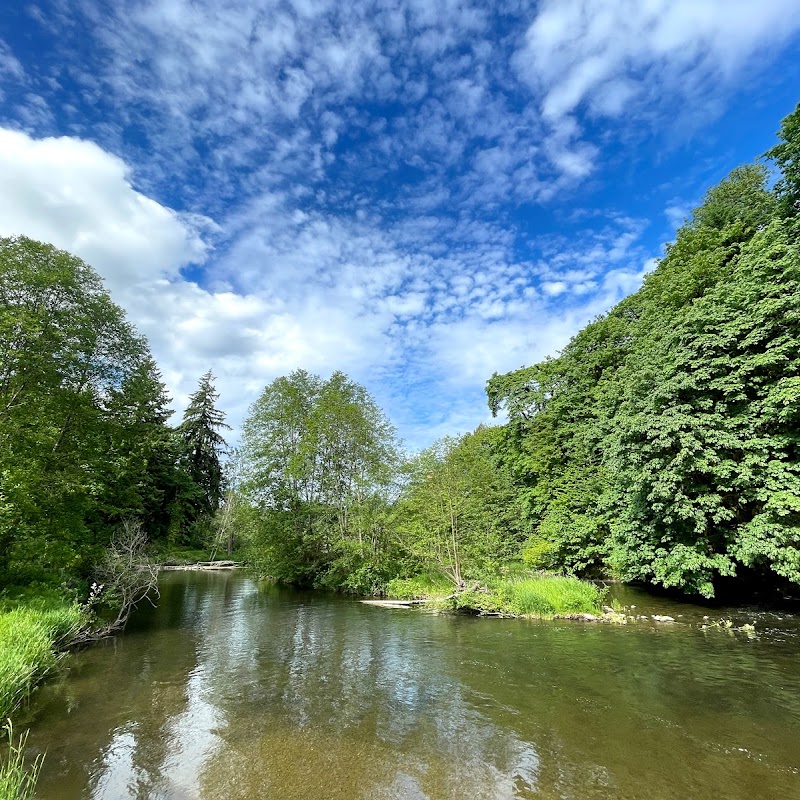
x: 203, y: 444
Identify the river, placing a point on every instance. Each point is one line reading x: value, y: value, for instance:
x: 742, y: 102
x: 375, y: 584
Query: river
x: 238, y: 690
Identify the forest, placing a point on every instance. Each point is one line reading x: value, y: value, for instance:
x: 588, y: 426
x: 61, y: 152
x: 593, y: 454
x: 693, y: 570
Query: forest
x: 660, y: 446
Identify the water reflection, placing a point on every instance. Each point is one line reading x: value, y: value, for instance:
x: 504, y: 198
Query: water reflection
x: 229, y: 691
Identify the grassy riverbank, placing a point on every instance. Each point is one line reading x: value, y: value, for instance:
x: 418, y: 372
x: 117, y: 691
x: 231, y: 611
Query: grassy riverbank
x: 32, y: 630
x: 538, y: 597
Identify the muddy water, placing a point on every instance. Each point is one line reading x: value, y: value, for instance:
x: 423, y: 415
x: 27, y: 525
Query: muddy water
x: 229, y: 689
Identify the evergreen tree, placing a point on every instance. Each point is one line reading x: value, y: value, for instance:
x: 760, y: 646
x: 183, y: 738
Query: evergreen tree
x: 202, y: 445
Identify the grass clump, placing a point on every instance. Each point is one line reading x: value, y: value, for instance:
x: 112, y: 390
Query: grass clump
x: 420, y: 587
x: 17, y: 782
x: 543, y: 597
x: 540, y: 596
x: 552, y: 595
x: 30, y: 636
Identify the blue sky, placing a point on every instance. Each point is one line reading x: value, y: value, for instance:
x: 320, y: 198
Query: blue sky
x: 417, y: 193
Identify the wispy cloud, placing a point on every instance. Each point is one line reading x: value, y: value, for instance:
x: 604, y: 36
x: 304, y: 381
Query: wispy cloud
x: 612, y: 58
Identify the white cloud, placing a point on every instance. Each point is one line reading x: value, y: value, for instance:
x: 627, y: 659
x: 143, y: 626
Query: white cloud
x: 74, y: 194
x: 607, y: 55
x: 302, y: 289
x: 374, y: 172
x: 10, y: 67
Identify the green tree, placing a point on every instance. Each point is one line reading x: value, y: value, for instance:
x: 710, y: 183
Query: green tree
x: 202, y: 446
x: 706, y: 443
x: 638, y: 447
x: 319, y: 460
x: 69, y: 366
x: 457, y: 515
x: 142, y: 452
x: 786, y: 155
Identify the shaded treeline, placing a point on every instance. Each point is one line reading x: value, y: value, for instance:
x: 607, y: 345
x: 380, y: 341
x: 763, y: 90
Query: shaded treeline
x: 662, y: 444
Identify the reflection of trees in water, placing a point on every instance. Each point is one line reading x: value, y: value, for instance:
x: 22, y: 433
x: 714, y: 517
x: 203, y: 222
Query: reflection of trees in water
x: 229, y: 692
x: 341, y: 703
x: 108, y: 725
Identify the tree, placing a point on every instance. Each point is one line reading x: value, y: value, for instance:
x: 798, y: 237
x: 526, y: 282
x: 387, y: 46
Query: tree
x: 67, y: 357
x: 319, y: 458
x: 659, y: 443
x: 141, y: 451
x: 457, y: 514
x: 786, y: 155
x: 203, y: 445
x: 706, y: 443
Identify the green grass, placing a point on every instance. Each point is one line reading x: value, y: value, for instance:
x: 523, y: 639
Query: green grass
x: 539, y: 596
x: 420, y: 587
x: 34, y: 624
x: 17, y: 782
x: 30, y: 636
x: 548, y: 596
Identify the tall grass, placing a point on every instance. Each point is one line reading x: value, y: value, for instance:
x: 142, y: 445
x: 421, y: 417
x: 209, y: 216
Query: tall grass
x: 420, y: 587
x: 550, y: 595
x: 543, y: 596
x: 32, y: 629
x: 17, y: 782
x: 30, y: 636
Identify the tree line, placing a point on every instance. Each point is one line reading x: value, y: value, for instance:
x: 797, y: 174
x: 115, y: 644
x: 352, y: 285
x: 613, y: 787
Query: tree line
x: 661, y: 445
x: 85, y: 443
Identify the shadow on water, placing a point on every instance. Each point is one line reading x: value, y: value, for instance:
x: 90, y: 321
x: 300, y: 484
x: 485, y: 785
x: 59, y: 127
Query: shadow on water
x: 234, y: 690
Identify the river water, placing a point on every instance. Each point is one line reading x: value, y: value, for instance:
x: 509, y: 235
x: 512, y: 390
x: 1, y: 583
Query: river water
x: 233, y: 689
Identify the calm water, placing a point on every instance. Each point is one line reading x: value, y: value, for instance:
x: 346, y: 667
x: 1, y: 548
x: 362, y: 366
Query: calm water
x: 232, y: 690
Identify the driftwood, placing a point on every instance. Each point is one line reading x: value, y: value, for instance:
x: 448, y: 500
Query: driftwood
x: 203, y: 565
x: 393, y: 603
x: 123, y: 579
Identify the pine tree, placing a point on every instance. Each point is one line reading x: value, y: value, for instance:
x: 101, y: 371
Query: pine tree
x: 203, y: 445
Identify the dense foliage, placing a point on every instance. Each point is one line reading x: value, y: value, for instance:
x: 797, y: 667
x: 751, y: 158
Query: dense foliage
x: 319, y: 464
x: 662, y: 444
x: 457, y: 515
x: 84, y: 439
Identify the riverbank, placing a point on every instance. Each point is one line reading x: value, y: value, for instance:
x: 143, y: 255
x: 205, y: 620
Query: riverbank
x: 33, y: 632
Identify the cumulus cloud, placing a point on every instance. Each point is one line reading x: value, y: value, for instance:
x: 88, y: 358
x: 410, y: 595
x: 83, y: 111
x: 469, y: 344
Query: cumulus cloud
x: 74, y: 194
